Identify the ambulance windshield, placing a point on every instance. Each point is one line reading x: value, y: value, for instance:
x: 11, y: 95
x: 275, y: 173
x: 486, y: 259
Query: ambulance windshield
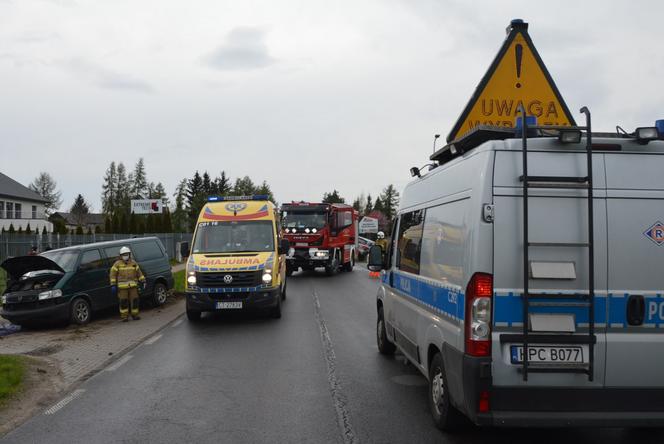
x: 301, y: 220
x: 234, y: 237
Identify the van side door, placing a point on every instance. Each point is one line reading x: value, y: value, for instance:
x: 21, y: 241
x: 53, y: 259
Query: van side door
x: 92, y: 278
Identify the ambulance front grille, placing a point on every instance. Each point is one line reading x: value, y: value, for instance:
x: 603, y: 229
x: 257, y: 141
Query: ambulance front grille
x: 238, y: 279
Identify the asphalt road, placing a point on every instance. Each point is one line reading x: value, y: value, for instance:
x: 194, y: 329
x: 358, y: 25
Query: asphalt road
x: 313, y: 376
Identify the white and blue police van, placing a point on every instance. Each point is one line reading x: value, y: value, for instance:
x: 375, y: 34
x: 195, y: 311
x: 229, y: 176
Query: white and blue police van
x: 524, y: 278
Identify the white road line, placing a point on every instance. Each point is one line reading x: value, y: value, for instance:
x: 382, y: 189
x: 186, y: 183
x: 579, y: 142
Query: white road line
x: 116, y: 365
x: 64, y: 401
x: 338, y: 397
x: 176, y: 323
x: 153, y: 339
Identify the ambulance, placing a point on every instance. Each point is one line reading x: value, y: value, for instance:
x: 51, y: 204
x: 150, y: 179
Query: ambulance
x: 237, y: 258
x: 524, y: 276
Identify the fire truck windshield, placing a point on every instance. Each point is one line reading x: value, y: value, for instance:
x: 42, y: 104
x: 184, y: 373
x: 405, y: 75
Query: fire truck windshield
x: 301, y: 220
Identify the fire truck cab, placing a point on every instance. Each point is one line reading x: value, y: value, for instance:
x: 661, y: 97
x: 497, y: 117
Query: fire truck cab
x: 320, y: 235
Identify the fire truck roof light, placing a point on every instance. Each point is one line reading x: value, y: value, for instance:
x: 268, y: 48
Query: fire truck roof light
x: 226, y: 198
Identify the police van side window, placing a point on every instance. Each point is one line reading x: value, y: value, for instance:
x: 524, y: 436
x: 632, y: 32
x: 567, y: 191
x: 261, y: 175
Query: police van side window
x: 392, y: 239
x: 442, y: 243
x: 145, y: 251
x: 410, y: 241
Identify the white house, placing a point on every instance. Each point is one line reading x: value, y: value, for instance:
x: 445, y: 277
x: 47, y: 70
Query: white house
x: 20, y: 206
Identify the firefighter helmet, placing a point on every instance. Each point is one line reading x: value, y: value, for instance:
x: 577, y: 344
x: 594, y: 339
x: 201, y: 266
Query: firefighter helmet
x: 381, y: 235
x: 124, y: 250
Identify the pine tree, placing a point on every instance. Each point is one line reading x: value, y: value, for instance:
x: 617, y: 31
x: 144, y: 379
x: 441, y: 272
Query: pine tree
x: 132, y: 229
x: 44, y: 231
x: 28, y: 230
x: 264, y: 189
x: 98, y: 229
x: 109, y: 193
x: 122, y: 203
x: 160, y: 193
x: 356, y: 204
x: 223, y: 185
x: 149, y: 224
x: 79, y: 230
x: 139, y: 183
x: 369, y: 207
x: 167, y: 225
x: 333, y: 197
x: 378, y: 206
x: 244, y: 186
x: 195, y: 199
x: 124, y: 224
x: 180, y: 214
x: 108, y: 225
x: 80, y: 209
x: 206, y: 185
x: 89, y: 229
x: 20, y: 230
x: 12, y: 230
x: 46, y: 186
x: 390, y: 199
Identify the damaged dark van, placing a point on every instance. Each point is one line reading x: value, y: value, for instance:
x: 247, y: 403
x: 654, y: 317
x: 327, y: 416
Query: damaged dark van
x: 69, y: 284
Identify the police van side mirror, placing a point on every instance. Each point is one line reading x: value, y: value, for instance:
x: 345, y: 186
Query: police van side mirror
x: 375, y: 262
x: 284, y: 246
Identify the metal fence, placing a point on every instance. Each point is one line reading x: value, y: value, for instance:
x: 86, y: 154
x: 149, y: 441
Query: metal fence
x: 12, y: 245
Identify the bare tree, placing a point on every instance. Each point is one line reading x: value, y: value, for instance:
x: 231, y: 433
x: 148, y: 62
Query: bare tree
x: 46, y: 186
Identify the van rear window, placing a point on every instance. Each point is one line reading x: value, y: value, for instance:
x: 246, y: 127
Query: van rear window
x: 145, y: 251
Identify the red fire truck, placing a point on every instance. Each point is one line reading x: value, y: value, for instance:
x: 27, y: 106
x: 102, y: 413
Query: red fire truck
x: 320, y: 235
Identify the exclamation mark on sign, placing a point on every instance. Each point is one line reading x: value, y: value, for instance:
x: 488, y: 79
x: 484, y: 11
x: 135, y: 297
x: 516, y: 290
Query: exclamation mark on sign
x: 518, y: 52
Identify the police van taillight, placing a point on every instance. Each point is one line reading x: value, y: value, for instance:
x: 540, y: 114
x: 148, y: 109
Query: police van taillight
x: 478, y: 315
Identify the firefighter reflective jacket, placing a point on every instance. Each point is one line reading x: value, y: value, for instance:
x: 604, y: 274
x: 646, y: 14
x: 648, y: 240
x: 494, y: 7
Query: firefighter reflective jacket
x: 126, y: 274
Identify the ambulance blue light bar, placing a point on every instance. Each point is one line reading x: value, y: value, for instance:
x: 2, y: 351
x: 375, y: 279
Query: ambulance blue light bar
x: 227, y: 198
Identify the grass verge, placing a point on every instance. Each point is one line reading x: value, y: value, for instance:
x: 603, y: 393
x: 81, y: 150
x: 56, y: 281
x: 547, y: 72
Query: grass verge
x: 178, y: 276
x: 3, y: 280
x: 12, y: 373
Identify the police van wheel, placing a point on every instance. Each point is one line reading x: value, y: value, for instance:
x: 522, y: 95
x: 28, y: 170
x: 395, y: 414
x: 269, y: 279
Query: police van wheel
x: 445, y: 416
x: 159, y: 295
x: 385, y: 347
x: 194, y: 315
x: 80, y: 311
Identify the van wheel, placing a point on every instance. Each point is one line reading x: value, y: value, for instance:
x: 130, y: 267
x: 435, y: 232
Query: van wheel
x: 445, y: 416
x: 159, y: 295
x: 80, y: 311
x: 193, y: 315
x: 333, y: 267
x: 385, y: 347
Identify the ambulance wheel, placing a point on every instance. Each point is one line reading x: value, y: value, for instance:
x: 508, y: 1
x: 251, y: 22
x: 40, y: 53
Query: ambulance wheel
x: 333, y: 267
x: 445, y: 416
x: 193, y: 315
x: 283, y: 290
x: 276, y: 311
x: 385, y: 347
x: 80, y: 311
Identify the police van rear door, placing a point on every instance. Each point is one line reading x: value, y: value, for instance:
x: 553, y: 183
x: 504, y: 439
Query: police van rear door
x: 635, y: 209
x: 556, y: 216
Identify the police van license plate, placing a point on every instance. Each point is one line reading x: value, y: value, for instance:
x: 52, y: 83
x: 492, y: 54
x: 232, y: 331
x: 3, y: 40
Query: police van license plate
x: 229, y: 305
x: 548, y: 353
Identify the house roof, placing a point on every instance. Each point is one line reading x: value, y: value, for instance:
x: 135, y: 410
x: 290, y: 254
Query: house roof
x: 12, y: 189
x: 88, y: 219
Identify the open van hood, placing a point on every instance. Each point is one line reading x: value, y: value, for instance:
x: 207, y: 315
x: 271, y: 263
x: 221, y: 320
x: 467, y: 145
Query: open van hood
x: 18, y: 266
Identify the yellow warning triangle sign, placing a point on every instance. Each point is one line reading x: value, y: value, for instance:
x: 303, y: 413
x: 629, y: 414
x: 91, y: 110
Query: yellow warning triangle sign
x: 516, y: 77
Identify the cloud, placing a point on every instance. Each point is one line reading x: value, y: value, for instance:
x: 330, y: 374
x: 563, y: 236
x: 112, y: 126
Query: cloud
x: 244, y: 49
x: 106, y: 78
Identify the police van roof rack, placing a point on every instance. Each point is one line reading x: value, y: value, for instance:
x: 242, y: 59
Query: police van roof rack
x: 582, y: 300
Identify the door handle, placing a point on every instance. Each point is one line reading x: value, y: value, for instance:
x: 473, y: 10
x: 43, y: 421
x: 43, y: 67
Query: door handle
x: 636, y: 309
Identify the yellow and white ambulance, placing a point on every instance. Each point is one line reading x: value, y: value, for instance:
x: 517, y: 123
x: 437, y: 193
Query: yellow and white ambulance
x: 237, y: 259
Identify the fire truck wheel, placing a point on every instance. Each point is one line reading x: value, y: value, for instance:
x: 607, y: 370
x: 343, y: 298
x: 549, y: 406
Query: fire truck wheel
x: 333, y: 267
x: 445, y: 416
x: 348, y: 266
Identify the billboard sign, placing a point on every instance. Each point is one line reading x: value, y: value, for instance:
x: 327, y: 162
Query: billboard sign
x: 147, y: 206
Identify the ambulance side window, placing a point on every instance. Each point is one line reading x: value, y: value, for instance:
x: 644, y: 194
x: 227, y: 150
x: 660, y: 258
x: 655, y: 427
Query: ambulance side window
x: 410, y: 241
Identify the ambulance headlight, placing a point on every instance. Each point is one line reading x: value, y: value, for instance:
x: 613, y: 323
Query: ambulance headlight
x: 49, y: 294
x: 267, y: 276
x: 191, y: 279
x: 3, y: 299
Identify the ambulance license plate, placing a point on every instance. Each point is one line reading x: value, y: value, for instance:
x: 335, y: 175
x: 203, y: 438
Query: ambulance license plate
x: 548, y: 353
x: 229, y: 305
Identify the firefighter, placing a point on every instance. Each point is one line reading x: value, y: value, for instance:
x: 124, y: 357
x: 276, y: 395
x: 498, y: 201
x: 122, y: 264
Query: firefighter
x: 380, y: 240
x: 126, y: 276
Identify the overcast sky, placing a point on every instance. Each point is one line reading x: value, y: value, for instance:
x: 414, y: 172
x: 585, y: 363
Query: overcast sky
x: 308, y: 95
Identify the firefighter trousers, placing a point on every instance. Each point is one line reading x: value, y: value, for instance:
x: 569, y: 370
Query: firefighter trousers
x: 128, y: 300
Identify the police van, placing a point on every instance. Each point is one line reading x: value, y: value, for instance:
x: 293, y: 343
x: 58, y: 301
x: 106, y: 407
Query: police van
x: 237, y: 258
x: 524, y: 277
